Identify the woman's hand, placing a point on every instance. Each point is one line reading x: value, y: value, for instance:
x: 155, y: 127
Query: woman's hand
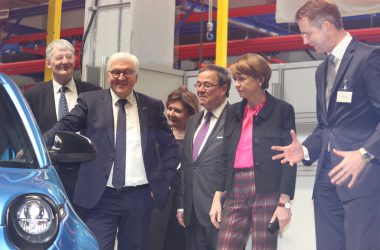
x: 283, y: 215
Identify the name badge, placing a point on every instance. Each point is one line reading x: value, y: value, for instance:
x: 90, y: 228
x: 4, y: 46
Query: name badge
x: 344, y: 96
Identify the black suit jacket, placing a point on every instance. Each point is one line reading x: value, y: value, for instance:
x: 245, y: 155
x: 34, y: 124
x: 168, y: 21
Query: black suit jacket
x: 271, y: 127
x: 93, y: 116
x: 199, y: 178
x: 41, y: 101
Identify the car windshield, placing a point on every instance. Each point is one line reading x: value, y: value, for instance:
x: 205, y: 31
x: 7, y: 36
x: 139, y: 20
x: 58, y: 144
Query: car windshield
x: 16, y: 150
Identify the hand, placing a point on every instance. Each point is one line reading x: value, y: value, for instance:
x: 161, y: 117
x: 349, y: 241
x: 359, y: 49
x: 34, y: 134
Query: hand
x: 216, y: 210
x: 283, y: 215
x: 293, y: 153
x: 180, y: 218
x: 351, y: 165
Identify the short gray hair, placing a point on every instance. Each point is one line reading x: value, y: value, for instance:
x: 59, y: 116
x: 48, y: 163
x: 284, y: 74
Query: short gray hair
x: 60, y: 45
x: 125, y: 55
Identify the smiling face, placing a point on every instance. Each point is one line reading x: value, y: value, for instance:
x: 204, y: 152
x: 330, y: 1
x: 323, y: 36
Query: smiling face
x: 124, y: 83
x: 177, y: 115
x: 210, y: 98
x: 62, y: 64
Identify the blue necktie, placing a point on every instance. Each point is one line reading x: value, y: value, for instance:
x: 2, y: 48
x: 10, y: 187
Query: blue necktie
x: 63, y: 109
x: 118, y: 177
x: 201, y: 135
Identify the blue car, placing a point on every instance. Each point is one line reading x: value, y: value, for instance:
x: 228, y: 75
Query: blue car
x: 35, y: 212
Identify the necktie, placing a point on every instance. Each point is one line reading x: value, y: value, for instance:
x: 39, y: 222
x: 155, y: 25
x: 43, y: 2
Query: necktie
x: 330, y: 77
x: 118, y: 177
x: 63, y: 109
x: 201, y: 135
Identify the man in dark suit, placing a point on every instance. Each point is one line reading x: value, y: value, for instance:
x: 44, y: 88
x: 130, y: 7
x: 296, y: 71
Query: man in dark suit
x: 200, y: 163
x: 44, y: 98
x: 129, y: 129
x: 346, y: 141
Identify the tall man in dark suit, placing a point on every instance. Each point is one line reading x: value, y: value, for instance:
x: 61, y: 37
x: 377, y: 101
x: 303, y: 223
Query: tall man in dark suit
x: 129, y: 129
x: 346, y: 141
x: 201, y: 155
x: 44, y: 98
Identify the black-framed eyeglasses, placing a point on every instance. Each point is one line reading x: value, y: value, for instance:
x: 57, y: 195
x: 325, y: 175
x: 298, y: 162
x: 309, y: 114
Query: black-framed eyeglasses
x: 126, y: 73
x: 206, y: 85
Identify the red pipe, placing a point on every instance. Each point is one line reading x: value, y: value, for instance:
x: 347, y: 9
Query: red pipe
x: 236, y: 12
x: 267, y: 44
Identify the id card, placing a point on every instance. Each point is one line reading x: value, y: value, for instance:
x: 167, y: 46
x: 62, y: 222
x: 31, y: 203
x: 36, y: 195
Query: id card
x: 344, y: 96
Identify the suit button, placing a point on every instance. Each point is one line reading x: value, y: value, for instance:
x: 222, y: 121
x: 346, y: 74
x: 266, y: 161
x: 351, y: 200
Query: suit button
x: 107, y: 176
x: 257, y: 163
x: 256, y: 141
x: 111, y: 159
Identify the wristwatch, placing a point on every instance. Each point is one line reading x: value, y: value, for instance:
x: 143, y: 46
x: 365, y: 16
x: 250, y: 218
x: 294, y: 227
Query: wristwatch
x: 366, y: 155
x: 285, y: 205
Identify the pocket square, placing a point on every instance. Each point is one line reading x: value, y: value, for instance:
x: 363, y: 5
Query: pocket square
x: 219, y: 137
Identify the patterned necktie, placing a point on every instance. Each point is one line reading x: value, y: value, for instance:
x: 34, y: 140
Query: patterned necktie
x: 330, y: 77
x: 63, y: 109
x: 118, y: 177
x: 201, y: 135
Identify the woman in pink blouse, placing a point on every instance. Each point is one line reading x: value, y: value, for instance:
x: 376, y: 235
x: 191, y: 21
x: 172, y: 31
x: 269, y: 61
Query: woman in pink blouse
x: 256, y: 190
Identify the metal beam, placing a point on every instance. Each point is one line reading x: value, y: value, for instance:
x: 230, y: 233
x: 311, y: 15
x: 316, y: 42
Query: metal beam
x: 53, y: 28
x: 222, y: 33
x: 42, y: 36
x: 236, y: 12
x: 268, y: 44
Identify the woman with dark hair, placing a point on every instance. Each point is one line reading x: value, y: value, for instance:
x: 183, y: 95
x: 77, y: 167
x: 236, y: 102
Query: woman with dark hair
x: 166, y: 233
x: 256, y: 189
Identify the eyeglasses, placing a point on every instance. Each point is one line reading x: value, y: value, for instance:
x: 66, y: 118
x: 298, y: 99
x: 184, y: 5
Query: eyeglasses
x: 206, y: 85
x: 126, y: 73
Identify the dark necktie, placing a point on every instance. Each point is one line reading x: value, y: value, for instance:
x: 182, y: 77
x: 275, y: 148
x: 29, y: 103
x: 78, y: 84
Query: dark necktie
x: 201, y: 135
x: 118, y: 177
x: 63, y: 109
x: 330, y: 77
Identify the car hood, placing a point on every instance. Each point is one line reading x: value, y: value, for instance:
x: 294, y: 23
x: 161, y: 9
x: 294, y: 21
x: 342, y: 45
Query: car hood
x: 15, y: 182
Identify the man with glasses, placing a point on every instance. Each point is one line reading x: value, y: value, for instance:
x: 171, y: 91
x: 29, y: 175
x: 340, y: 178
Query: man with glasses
x: 202, y: 151
x: 136, y: 158
x: 346, y: 141
x: 45, y: 99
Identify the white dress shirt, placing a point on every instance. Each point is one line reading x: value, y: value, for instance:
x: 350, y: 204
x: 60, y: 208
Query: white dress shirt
x: 71, y: 94
x: 135, y: 170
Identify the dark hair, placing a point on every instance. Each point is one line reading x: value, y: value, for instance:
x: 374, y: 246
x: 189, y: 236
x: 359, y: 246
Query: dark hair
x: 186, y: 97
x: 252, y: 65
x: 222, y: 74
x: 318, y: 11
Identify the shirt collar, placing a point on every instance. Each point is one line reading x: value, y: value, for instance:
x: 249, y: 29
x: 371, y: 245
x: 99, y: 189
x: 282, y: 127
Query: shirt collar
x: 70, y: 85
x: 131, y: 97
x: 217, y: 111
x: 341, y: 47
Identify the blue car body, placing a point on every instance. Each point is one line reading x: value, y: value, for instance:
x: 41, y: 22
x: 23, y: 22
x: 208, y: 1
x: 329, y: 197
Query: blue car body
x: 32, y: 174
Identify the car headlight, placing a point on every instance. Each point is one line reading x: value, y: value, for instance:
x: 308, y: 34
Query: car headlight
x: 32, y: 221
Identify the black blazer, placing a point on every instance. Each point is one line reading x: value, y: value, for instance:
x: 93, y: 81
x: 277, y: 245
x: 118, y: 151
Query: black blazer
x: 41, y: 101
x: 93, y: 116
x: 271, y: 127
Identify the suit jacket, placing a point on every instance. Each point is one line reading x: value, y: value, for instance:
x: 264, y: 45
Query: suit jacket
x: 41, y: 101
x: 270, y: 127
x: 93, y: 116
x: 350, y: 126
x: 199, y: 180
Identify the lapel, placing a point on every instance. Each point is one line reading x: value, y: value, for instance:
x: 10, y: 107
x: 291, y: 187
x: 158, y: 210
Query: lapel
x: 143, y: 110
x: 49, y: 107
x: 191, y: 126
x: 106, y: 111
x: 347, y: 57
x: 213, y: 134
